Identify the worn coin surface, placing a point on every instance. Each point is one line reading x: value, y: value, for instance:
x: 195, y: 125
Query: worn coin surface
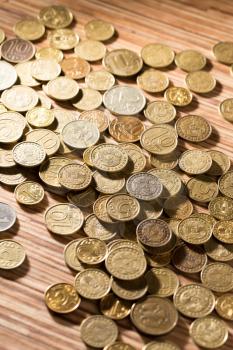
x: 75, y: 176
x: 190, y: 60
x: 109, y: 157
x: 100, y: 209
x: 108, y: 183
x: 130, y: 290
x: 28, y: 154
x: 221, y: 208
x: 17, y: 50
x: 12, y: 253
x: 62, y: 88
x: 195, y: 230
x: 29, y: 29
x: 90, y: 50
x: 126, y: 129
x: 153, y: 81
x: 136, y: 158
x: 189, y: 259
x: 122, y: 207
x: 193, y: 128
x: 178, y: 96
x: 7, y: 217
x: 195, y: 162
x: 202, y: 188
x: 162, y: 282
x: 160, y: 112
x: 29, y: 193
x: 223, y: 231
x: 45, y: 69
x: 56, y: 16
x: 49, y: 170
x: 157, y: 55
x: 8, y: 75
x: 62, y: 298
x: 96, y: 116
x: 90, y: 99
x: 91, y: 251
x: 223, y: 52
x: 40, y: 117
x: 224, y: 306
x: 153, y: 232
x: 63, y: 39
x: 123, y: 62
x: 75, y: 67
x: 82, y: 199
x: 100, y: 30
x: 144, y: 186
x: 218, y: 277
x: 170, y: 180
x: 200, y: 82
x: 19, y: 98
x: 220, y: 163
x: 115, y: 308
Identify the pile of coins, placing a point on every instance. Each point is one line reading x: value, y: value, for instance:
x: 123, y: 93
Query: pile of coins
x: 129, y: 190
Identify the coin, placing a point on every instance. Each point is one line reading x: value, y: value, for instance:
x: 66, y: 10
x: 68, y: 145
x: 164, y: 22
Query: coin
x: 143, y: 317
x: 130, y: 290
x: 92, y: 283
x: 224, y: 306
x: 50, y: 168
x: 46, y: 138
x: 91, y: 251
x: 161, y: 345
x: 63, y: 218
x: 194, y: 300
x: 100, y: 210
x: 90, y: 99
x: 29, y: 29
x: 96, y: 116
x: 103, y: 331
x: 100, y: 80
x: 23, y: 71
x: 124, y: 100
x: 136, y: 159
x: 62, y: 298
x: 223, y: 231
x: 200, y: 82
x: 83, y: 199
x: 2, y: 35
x: 63, y: 39
x: 12, y: 125
x: 218, y: 277
x: 122, y: 207
x: 224, y: 183
x: 159, y: 139
x: 126, y: 129
x: 97, y: 29
x: 189, y: 259
x: 96, y: 229
x: 170, y: 180
x: 62, y: 88
x: 6, y: 158
x: 49, y: 53
x: 178, y: 207
x: 19, y: 98
x: 80, y: 134
x: 223, y: 52
x: 122, y: 62
x: 62, y: 117
x: 193, y: 128
x: 202, y: 188
x: 28, y: 154
x: 178, y: 96
x: 12, y: 253
x: 209, y: 332
x: 45, y: 69
x: 165, y: 161
x: 108, y: 183
x: 109, y: 158
x: 115, y: 308
x: 218, y: 251
x: 29, y: 193
x: 90, y: 50
x: 160, y: 112
x: 75, y: 176
x: 7, y: 217
x: 17, y: 50
x: 162, y: 282
x: 8, y: 75
x: 157, y: 55
x: 221, y: 208
x: 12, y: 176
x: 153, y: 81
x: 190, y: 60
x: 153, y: 232
x: 56, y: 16
x: 220, y: 163
x: 144, y: 186
x: 75, y: 67
x: 119, y: 346
x: 195, y: 162
x: 70, y: 256
x: 226, y: 109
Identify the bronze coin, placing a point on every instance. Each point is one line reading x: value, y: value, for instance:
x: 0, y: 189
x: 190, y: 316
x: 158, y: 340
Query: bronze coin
x: 126, y: 129
x: 17, y: 50
x: 189, y: 259
x: 153, y: 232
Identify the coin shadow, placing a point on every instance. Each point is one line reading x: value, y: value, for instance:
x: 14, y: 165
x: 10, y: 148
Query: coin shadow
x: 191, y: 107
x: 215, y: 92
x: 15, y: 228
x: 112, y: 39
x: 208, y: 66
x: 17, y: 273
x: 67, y: 238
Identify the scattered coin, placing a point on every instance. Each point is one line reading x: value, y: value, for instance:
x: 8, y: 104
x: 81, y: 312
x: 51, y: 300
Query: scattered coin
x: 178, y: 207
x: 96, y: 116
x: 218, y: 251
x: 12, y: 176
x: 28, y: 154
x: 63, y: 39
x: 80, y: 134
x: 45, y: 69
x: 12, y: 125
x: 46, y: 138
x: 49, y: 170
x: 55, y: 16
x: 126, y: 129
x: 40, y: 117
x: 202, y: 188
x: 218, y: 277
x: 190, y: 60
x: 226, y: 109
x: 108, y: 183
x: 162, y: 282
x: 90, y: 99
x: 90, y: 50
x: 75, y: 176
x: 122, y: 62
x: 70, y: 256
x: 195, y: 162
x: 19, y: 98
x: 200, y: 82
x: 109, y: 158
x: 224, y: 183
x: 122, y: 207
x: 29, y: 193
x: 178, y: 96
x: 194, y: 230
x: 170, y: 180
x: 130, y: 290
x: 223, y: 231
x: 6, y: 158
x: 91, y: 251
x: 75, y: 67
x: 157, y: 55
x: 17, y: 50
x: 62, y: 298
x: 49, y: 53
x: 189, y: 259
x: 8, y: 75
x: 220, y: 163
x: 97, y: 29
x: 29, y: 29
x: 136, y: 158
x: 153, y: 232
x: 153, y: 81
x: 100, y: 80
x: 115, y: 308
x: 224, y: 307
x: 62, y: 88
x: 221, y: 208
x: 7, y: 217
x: 23, y: 70
x: 223, y: 52
x: 12, y: 253
x: 144, y: 186
x: 160, y: 112
x: 193, y: 128
x: 165, y: 161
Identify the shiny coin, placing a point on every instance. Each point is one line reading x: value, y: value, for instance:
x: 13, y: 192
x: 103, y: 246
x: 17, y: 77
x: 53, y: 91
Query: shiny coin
x: 90, y: 50
x: 75, y: 67
x: 202, y: 188
x: 29, y: 29
x: 75, y: 176
x: 221, y: 208
x: 223, y: 52
x: 193, y: 128
x: 126, y: 129
x: 130, y: 290
x: 153, y: 232
x: 56, y: 16
x: 109, y: 157
x: 62, y: 88
x: 49, y: 53
x: 160, y: 112
x: 178, y: 207
x: 123, y: 62
x: 218, y: 277
x: 83, y: 199
x: 91, y: 251
x: 157, y: 55
x: 90, y: 99
x: 224, y: 306
x: 62, y: 298
x: 144, y: 186
x: 195, y: 162
x: 219, y: 251
x: 63, y: 39
x: 8, y: 217
x: 122, y: 207
x: 6, y: 158
x: 28, y: 154
x: 108, y: 183
x: 70, y: 256
x: 19, y: 98
x: 137, y: 160
x: 162, y: 282
x: 200, y: 82
x: 45, y: 69
x: 12, y: 253
x: 161, y: 345
x: 225, y: 183
x: 17, y: 50
x: 50, y: 168
x: 46, y: 138
x: 12, y: 176
x: 153, y: 81
x: 100, y: 80
x: 24, y: 73
x: 189, y: 259
x: 106, y: 232
x: 114, y: 308
x: 226, y: 109
x: 63, y: 219
x: 165, y: 161
x: 98, y: 117
x: 220, y: 163
x: 190, y: 60
x: 170, y: 180
x: 8, y: 75
x: 178, y: 96
x: 12, y: 125
x: 80, y: 134
x: 97, y: 29
x: 223, y: 231
x: 29, y: 193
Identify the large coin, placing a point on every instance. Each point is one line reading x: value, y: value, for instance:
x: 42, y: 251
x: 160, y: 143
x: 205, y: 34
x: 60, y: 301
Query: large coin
x: 202, y: 188
x: 23, y: 70
x: 100, y: 80
x: 160, y: 112
x: 75, y: 176
x: 49, y: 53
x: 219, y: 251
x: 162, y: 282
x: 97, y: 29
x: 226, y: 109
x: 157, y: 55
x: 8, y: 75
x: 220, y: 163
x: 19, y: 98
x: 82, y: 199
x: 193, y: 128
x: 144, y: 186
x: 218, y: 277
x: 170, y: 180
x: 96, y: 116
x: 108, y: 157
x: 178, y: 96
x: 190, y: 60
x: 12, y: 125
x: 137, y: 159
x: 50, y: 168
x: 130, y: 290
x: 75, y: 67
x: 29, y: 29
x: 62, y: 298
x: 17, y: 50
x: 63, y: 39
x: 223, y: 52
x: 195, y: 162
x: 153, y: 81
x: 221, y: 208
x: 40, y: 117
x: 114, y: 308
x: 122, y: 207
x: 45, y: 69
x: 56, y: 16
x: 123, y: 62
x: 70, y: 256
x: 223, y: 231
x: 46, y: 138
x: 91, y: 251
x: 200, y: 82
x: 62, y: 88
x: 195, y: 230
x: 80, y: 134
x: 28, y: 154
x: 108, y: 183
x: 189, y: 259
x: 12, y: 254
x: 88, y: 99
x: 12, y: 176
x: 178, y: 207
x: 224, y: 306
x: 90, y: 50
x: 153, y: 232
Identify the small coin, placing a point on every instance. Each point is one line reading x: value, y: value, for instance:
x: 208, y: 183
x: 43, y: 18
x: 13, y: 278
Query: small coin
x: 2, y: 35
x: 63, y: 39
x: 124, y: 100
x: 46, y: 138
x: 75, y: 176
x: 226, y: 109
x: 50, y: 168
x: 104, y: 331
x: 161, y: 345
x: 160, y: 112
x: 126, y: 129
x: 170, y: 180
x: 218, y: 251
x: 80, y: 134
x: 115, y: 308
x: 153, y: 81
x: 136, y: 159
x: 7, y: 218
x: 83, y: 199
x: 195, y: 162
x: 90, y: 99
x: 109, y: 158
x: 98, y: 117
x: 178, y: 207
x: 8, y: 75
x: 190, y: 60
x: 17, y: 50
x: 28, y: 154
x: 75, y: 67
x: 202, y: 188
x: 62, y: 298
x: 221, y: 208
x: 189, y: 259
x: 122, y: 207
x: 19, y: 98
x: 23, y: 70
x: 45, y: 69
x: 157, y: 55
x: 108, y: 183
x: 63, y: 219
x: 119, y: 346
x: 40, y: 117
x: 56, y: 16
x: 6, y: 158
x: 130, y: 290
x: 200, y: 82
x: 100, y: 80
x: 223, y: 52
x: 29, y: 29
x: 12, y: 176
x: 29, y: 193
x: 12, y: 253
x: 99, y: 30
x: 162, y: 282
x: 70, y: 256
x: 209, y: 332
x: 193, y: 128
x: 218, y: 277
x: 49, y: 53
x: 224, y: 306
x: 144, y: 186
x: 153, y: 232
x: 178, y: 96
x: 91, y: 251
x: 12, y: 125
x: 165, y: 161
x: 220, y: 163
x: 143, y: 317
x: 92, y: 283
x: 90, y: 50
x: 122, y: 62
x: 223, y: 231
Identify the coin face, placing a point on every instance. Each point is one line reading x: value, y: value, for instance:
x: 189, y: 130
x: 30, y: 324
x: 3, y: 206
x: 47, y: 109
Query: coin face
x: 23, y: 71
x: 219, y: 251
x: 90, y: 50
x: 109, y: 157
x: 97, y: 29
x: 221, y: 208
x: 29, y: 193
x: 193, y: 128
x: 49, y: 53
x: 40, y: 117
x: 28, y: 154
x: 124, y: 100
x: 91, y: 251
x: 17, y: 50
x: 12, y: 253
x: 100, y: 209
x: 223, y: 52
x: 162, y: 282
x: 98, y: 117
x: 80, y: 134
x: 178, y: 96
x: 123, y: 62
x: 202, y: 188
x: 50, y: 168
x: 157, y: 55
x: 178, y: 207
x: 96, y: 229
x: 75, y: 67
x: 75, y: 176
x: 62, y: 88
x: 100, y: 80
x: 55, y: 16
x: 7, y: 216
x: 130, y: 290
x: 195, y: 162
x: 153, y: 81
x: 114, y: 308
x: 171, y: 182
x: 153, y: 232
x: 90, y: 99
x: 136, y: 159
x: 226, y: 109
x: 64, y: 219
x: 223, y: 231
x: 12, y: 125
x: 19, y: 98
x: 218, y: 277
x: 126, y: 129
x: 8, y: 75
x: 224, y: 306
x: 108, y: 183
x: 161, y: 345
x: 200, y: 82
x: 144, y: 186
x: 122, y: 207
x: 63, y: 39
x: 46, y: 138
x: 29, y: 29
x: 189, y: 259
x: 62, y: 298
x: 160, y: 112
x: 190, y: 60
x: 70, y: 256
x: 45, y: 69
x: 195, y: 230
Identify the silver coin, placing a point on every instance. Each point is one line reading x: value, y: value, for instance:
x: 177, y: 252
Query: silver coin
x: 8, y: 75
x: 7, y: 217
x: 144, y: 186
x: 80, y: 134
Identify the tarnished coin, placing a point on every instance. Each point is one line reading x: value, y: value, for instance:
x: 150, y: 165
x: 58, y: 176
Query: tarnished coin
x: 162, y: 282
x: 115, y: 308
x: 96, y: 116
x: 144, y: 186
x: 153, y: 81
x: 223, y: 52
x: 100, y: 80
x: 29, y: 29
x: 19, y: 98
x: 124, y: 100
x: 63, y: 39
x: 109, y: 157
x: 218, y: 277
x: 75, y: 67
x: 159, y: 139
x: 49, y: 53
x: 178, y: 96
x: 17, y: 50
x: 225, y: 184
x: 195, y: 162
x: 28, y: 154
x: 8, y: 75
x: 224, y: 306
x: 223, y: 231
x: 165, y: 161
x: 50, y: 168
x: 56, y: 16
x: 63, y: 219
x: 209, y: 332
x: 92, y: 283
x: 218, y: 251
x: 91, y: 251
x: 7, y: 217
x: 189, y: 259
x: 23, y: 71
x: 178, y: 207
x: 221, y: 208
x: 136, y: 159
x: 119, y: 346
x: 62, y: 88
x: 62, y: 298
x: 75, y: 176
x: 161, y: 345
x: 82, y: 199
x: 100, y: 30
x: 89, y: 99
x: 70, y: 256
x: 29, y: 193
x: 90, y: 50
x: 194, y: 300
x: 194, y: 230
x: 157, y: 55
x: 160, y: 112
x: 46, y: 138
x: 12, y: 125
x: 126, y: 129
x: 202, y: 188
x: 226, y: 109
x: 153, y: 232
x: 193, y: 128
x: 103, y: 331
x: 143, y: 317
x: 40, y: 117
x: 200, y: 82
x: 12, y: 253
x: 96, y: 229
x: 170, y: 180
x: 108, y: 183
x: 123, y: 62
x: 45, y: 69
x: 122, y: 207
x: 130, y: 290
x: 6, y: 157
x: 12, y: 176
x: 190, y: 60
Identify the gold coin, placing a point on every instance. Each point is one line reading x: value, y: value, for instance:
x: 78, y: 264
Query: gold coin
x: 115, y: 308
x: 223, y: 52
x: 144, y: 186
x: 63, y: 39
x: 194, y: 230
x: 91, y: 251
x: 160, y: 112
x: 122, y: 207
x: 90, y: 50
x: 98, y: 117
x: 56, y: 16
x: 17, y: 50
x: 46, y: 138
x: 6, y: 158
x: 49, y: 53
x: 90, y: 99
x: 70, y: 256
x: 12, y: 125
x: 23, y: 70
x: 218, y: 277
x: 193, y: 128
x: 226, y: 109
x: 75, y: 67
x: 157, y: 55
x: 165, y: 161
x: 97, y: 29
x: 75, y: 176
x: 178, y: 207
x: 159, y: 139
x: 195, y: 162
x: 224, y: 183
x: 162, y: 282
x: 189, y: 259
x: 103, y: 331
x: 202, y: 188
x: 109, y: 157
x: 170, y: 180
x: 19, y: 98
x: 12, y: 254
x: 92, y: 283
x: 62, y: 117
x: 45, y: 69
x: 200, y: 82
x: 221, y: 208
x: 223, y: 231
x: 63, y: 219
x: 100, y: 209
x: 29, y: 193
x: 29, y: 29
x: 153, y: 81
x: 80, y: 134
x: 122, y: 62
x: 12, y: 176
x: 62, y: 298
x: 130, y: 290
x: 2, y: 35
x: 126, y: 129
x: 118, y: 346
x: 86, y: 156
x: 40, y: 117
x: 28, y: 154
x: 62, y: 88
x: 83, y: 199
x: 108, y: 183
x: 8, y: 75
x: 190, y: 60
x: 100, y: 80
x: 178, y: 96
x: 219, y: 251
x: 224, y: 306
x: 137, y: 160
x: 50, y: 168
x: 209, y: 332
x: 220, y: 163
x: 161, y: 345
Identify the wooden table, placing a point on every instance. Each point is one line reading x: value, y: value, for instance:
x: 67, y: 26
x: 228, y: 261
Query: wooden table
x: 25, y: 322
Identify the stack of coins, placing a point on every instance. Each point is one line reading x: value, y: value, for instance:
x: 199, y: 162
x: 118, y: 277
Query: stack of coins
x: 131, y: 193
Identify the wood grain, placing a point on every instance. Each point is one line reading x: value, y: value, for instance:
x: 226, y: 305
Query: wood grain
x: 25, y: 322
